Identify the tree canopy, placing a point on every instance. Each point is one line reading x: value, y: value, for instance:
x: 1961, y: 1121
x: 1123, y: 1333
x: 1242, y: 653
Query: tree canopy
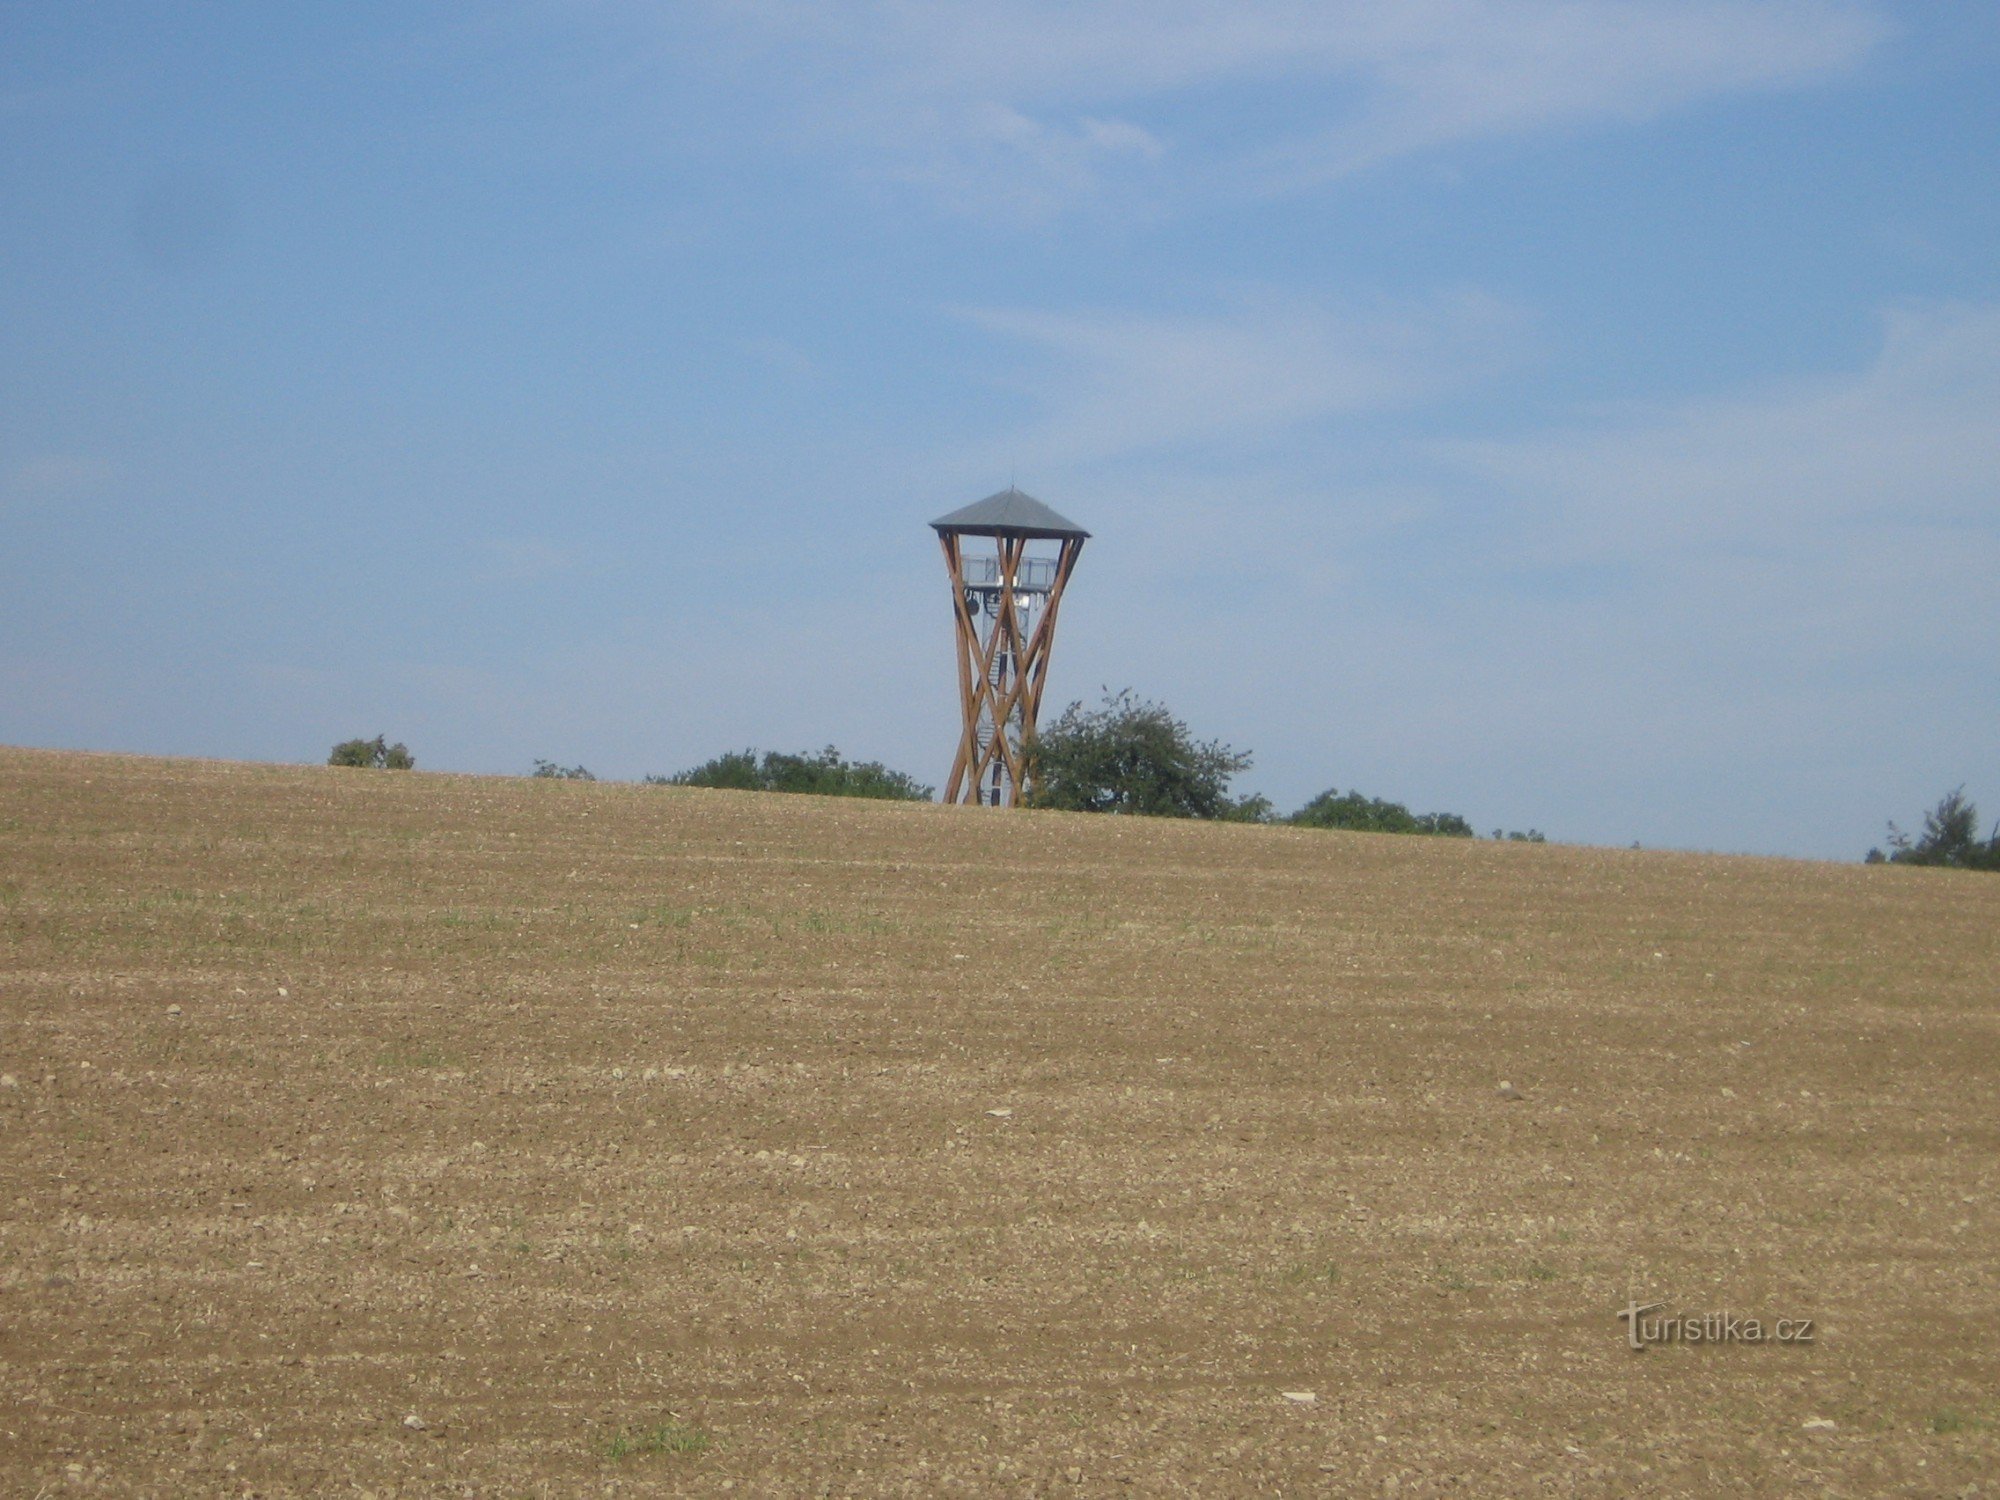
x: 376, y: 754
x: 826, y: 774
x: 1335, y: 809
x: 1131, y: 756
x: 1950, y: 839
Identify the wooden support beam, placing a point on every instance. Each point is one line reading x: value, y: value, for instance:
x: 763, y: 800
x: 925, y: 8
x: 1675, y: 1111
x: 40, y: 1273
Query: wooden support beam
x: 1000, y: 678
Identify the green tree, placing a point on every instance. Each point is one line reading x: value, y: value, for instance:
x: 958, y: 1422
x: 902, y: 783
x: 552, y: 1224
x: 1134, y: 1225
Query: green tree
x: 1255, y: 808
x: 734, y: 771
x: 1950, y: 839
x: 1350, y: 810
x: 376, y: 754
x: 548, y: 770
x: 827, y: 774
x: 1133, y: 756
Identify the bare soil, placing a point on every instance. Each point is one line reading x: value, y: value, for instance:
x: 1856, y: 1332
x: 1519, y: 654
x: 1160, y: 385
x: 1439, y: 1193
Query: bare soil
x: 434, y: 1135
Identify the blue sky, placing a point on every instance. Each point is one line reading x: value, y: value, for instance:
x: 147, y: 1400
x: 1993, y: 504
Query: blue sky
x: 1582, y: 414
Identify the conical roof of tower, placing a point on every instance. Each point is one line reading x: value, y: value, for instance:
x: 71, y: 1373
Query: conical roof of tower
x: 1009, y: 513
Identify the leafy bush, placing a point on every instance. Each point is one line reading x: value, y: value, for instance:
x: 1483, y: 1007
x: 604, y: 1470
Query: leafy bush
x: 548, y: 770
x: 1132, y: 756
x: 376, y: 754
x: 826, y: 774
x: 1351, y: 810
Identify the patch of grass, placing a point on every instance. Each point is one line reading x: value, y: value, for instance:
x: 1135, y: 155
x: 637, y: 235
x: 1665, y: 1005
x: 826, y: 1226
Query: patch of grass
x: 1540, y: 1271
x: 662, y: 916
x: 827, y: 921
x: 1309, y: 1272
x: 670, y: 1437
x: 1944, y: 1423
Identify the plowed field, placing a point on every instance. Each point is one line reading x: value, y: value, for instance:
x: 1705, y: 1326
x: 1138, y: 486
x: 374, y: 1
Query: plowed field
x: 438, y: 1135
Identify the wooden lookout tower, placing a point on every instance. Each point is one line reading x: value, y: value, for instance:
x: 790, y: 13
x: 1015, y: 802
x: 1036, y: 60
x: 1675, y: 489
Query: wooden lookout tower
x: 1010, y: 557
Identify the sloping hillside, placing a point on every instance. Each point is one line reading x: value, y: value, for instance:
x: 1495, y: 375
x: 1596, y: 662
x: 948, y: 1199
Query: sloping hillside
x: 438, y: 1134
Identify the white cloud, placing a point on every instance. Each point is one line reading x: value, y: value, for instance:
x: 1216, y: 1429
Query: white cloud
x: 1910, y: 444
x: 1786, y: 612
x: 1013, y: 105
x: 1459, y: 70
x: 990, y: 159
x: 1115, y: 384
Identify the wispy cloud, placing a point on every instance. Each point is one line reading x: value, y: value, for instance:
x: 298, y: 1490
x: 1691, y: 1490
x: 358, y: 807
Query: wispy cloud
x: 1010, y: 105
x: 1909, y: 444
x: 1796, y: 583
x: 991, y: 160
x: 1458, y: 70
x: 1118, y: 384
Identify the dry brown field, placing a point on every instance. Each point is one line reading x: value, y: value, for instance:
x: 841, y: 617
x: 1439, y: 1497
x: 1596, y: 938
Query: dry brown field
x: 419, y: 1134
